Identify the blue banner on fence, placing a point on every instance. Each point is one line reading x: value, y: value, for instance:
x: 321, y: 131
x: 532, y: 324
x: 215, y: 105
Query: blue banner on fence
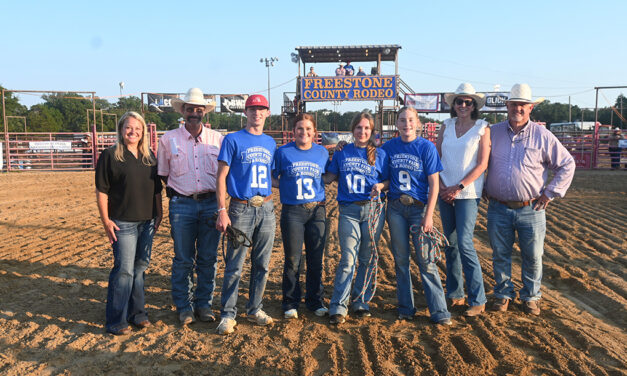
x: 348, y: 88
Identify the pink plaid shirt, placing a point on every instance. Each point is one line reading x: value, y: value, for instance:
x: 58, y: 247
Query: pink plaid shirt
x: 190, y: 166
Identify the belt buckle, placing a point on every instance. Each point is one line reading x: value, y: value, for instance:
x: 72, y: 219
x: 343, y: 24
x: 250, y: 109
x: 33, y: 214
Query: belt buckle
x: 406, y: 200
x: 310, y: 205
x: 256, y: 201
x: 195, y: 196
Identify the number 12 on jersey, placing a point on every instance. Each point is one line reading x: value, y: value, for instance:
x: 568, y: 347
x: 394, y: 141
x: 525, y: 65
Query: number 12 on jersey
x: 260, y: 177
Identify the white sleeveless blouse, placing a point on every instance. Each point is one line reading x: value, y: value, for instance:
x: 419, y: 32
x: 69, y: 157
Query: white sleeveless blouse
x: 459, y: 156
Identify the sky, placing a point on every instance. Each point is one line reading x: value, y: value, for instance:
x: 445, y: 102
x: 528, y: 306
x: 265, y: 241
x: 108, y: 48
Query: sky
x: 560, y: 48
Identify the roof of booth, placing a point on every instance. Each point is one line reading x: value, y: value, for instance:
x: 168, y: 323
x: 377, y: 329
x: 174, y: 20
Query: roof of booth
x: 336, y: 54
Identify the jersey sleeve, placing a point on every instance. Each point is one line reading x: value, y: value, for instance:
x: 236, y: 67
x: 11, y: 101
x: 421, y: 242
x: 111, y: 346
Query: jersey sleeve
x: 432, y: 161
x: 227, y: 150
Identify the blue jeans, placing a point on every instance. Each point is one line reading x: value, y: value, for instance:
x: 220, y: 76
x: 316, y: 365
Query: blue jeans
x: 458, y: 221
x: 195, y: 249
x: 503, y: 224
x: 400, y: 219
x: 131, y: 256
x: 259, y: 224
x: 298, y: 226
x: 355, y: 246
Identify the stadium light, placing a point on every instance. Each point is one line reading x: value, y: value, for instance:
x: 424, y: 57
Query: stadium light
x: 269, y: 63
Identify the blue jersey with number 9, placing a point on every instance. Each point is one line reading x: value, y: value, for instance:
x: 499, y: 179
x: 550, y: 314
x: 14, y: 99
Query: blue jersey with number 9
x: 250, y: 158
x: 300, y: 173
x: 410, y: 165
x: 355, y: 175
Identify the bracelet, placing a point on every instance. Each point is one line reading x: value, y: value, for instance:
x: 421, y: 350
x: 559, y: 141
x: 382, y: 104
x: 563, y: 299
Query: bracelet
x: 219, y: 210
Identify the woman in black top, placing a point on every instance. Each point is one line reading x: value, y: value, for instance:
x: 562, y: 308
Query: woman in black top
x: 128, y: 192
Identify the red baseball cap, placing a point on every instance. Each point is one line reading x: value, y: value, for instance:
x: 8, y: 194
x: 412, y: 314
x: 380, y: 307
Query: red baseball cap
x: 257, y: 100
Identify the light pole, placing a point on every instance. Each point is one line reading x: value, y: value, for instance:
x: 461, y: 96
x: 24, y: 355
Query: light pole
x: 269, y: 63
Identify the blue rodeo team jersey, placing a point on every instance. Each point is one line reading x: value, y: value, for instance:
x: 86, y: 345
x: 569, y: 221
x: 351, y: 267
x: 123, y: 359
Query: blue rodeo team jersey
x: 250, y: 158
x: 300, y: 173
x: 410, y: 165
x: 355, y: 175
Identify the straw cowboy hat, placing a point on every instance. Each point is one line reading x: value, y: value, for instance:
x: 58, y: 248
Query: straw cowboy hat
x: 522, y: 93
x: 465, y: 90
x: 193, y: 96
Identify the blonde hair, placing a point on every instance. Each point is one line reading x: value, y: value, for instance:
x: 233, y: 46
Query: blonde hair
x: 371, y: 149
x: 415, y: 112
x: 143, y: 147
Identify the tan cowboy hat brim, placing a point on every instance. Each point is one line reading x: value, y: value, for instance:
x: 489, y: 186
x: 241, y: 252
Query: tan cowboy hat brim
x: 177, y: 105
x: 525, y: 100
x: 479, y: 98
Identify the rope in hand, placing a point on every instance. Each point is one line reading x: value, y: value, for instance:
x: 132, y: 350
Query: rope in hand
x: 430, y: 243
x: 236, y: 236
x: 374, y: 214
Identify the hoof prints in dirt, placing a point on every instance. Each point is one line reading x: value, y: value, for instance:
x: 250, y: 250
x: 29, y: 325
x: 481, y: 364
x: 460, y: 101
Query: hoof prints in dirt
x: 55, y: 260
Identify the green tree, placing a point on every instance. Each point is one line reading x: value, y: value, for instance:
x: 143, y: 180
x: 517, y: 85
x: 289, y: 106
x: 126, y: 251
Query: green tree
x: 43, y: 118
x: 13, y: 108
x: 131, y: 103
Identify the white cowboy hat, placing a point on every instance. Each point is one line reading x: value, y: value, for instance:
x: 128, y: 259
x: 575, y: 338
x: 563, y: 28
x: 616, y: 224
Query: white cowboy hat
x: 193, y: 96
x: 465, y: 90
x: 522, y: 93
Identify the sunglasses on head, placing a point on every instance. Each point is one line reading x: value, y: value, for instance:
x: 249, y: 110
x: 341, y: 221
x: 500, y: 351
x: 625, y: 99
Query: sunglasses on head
x: 468, y: 102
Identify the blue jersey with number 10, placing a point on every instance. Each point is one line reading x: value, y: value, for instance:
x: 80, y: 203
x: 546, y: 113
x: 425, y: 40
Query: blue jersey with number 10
x: 250, y: 158
x: 300, y: 173
x: 410, y: 165
x: 355, y: 175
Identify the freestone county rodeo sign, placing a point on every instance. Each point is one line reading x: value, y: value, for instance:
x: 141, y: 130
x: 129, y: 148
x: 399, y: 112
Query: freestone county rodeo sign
x: 348, y: 88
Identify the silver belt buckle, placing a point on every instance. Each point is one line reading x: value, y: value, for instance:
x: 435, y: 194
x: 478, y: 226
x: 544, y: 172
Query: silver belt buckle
x: 256, y: 201
x: 310, y: 205
x: 195, y: 196
x: 407, y: 200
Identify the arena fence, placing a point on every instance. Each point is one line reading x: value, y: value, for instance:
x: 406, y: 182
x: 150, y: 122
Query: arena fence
x: 27, y: 151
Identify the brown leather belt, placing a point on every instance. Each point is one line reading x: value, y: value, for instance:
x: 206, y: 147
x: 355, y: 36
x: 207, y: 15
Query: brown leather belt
x: 514, y: 204
x: 253, y: 201
x: 361, y: 203
x: 196, y: 196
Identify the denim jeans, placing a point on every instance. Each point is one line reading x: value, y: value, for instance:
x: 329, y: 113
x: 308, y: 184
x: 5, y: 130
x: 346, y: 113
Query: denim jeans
x: 503, y: 224
x: 195, y: 249
x: 355, y: 246
x: 458, y: 221
x: 259, y: 224
x: 400, y: 219
x: 131, y: 256
x: 298, y: 226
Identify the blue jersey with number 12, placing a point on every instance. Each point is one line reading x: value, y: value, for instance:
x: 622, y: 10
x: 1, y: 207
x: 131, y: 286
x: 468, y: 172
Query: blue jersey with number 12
x: 250, y: 158
x: 300, y: 173
x: 355, y: 175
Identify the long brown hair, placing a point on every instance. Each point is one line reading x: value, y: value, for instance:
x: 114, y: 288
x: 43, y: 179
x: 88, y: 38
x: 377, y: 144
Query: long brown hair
x: 144, y: 143
x: 371, y: 149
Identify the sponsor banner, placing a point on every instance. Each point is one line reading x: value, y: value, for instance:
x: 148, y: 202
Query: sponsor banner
x: 50, y: 145
x: 163, y: 102
x: 232, y: 103
x: 423, y: 102
x: 495, y: 102
x: 348, y: 88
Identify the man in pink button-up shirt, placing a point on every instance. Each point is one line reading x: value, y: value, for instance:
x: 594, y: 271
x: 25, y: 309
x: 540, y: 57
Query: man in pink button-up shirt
x: 523, y: 152
x: 188, y: 163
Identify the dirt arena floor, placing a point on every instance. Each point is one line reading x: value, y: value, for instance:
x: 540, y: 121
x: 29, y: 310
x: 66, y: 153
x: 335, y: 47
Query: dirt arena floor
x: 55, y: 261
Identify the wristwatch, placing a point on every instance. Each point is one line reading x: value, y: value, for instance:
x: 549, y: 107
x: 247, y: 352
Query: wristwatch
x: 461, y: 186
